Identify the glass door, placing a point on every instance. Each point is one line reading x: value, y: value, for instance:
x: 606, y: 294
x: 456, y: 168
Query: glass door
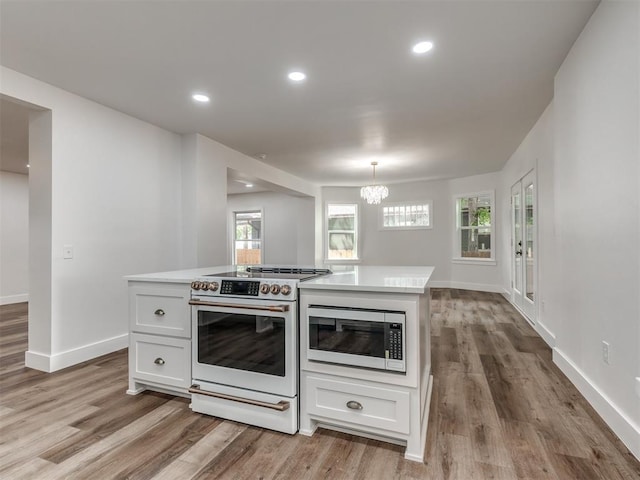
x: 524, y: 245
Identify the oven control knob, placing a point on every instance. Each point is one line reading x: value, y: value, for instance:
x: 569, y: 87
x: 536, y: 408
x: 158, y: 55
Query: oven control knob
x: 204, y: 285
x: 195, y: 285
x: 285, y: 290
x: 264, y: 288
x: 275, y: 289
x: 213, y: 286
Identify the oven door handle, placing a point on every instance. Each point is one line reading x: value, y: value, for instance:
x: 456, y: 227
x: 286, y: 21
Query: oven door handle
x: 281, y: 406
x: 268, y: 308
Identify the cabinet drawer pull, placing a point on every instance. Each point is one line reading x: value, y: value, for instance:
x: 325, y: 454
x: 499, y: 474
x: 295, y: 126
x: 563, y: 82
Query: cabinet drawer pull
x: 159, y: 312
x: 353, y: 405
x: 159, y: 361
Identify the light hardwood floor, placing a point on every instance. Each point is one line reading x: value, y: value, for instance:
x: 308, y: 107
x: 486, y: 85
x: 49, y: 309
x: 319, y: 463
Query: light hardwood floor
x: 500, y: 410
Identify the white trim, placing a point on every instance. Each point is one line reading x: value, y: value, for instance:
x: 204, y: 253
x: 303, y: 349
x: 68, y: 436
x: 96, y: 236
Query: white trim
x: 52, y: 363
x: 232, y: 232
x: 428, y: 203
x: 11, y: 299
x: 474, y: 261
x: 547, y: 335
x: 356, y: 229
x: 457, y: 245
x: 480, y: 287
x: 616, y: 419
x: 37, y: 361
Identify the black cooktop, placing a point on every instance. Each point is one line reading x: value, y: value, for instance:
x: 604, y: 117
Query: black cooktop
x: 291, y: 273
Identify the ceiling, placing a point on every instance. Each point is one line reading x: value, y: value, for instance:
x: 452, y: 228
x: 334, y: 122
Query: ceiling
x: 461, y: 109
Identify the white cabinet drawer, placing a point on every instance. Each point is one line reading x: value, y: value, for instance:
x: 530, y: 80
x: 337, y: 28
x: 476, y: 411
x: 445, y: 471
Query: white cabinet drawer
x: 162, y: 311
x: 161, y: 360
x: 357, y: 403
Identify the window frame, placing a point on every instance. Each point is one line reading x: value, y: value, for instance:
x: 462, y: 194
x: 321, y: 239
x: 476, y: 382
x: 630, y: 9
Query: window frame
x: 428, y: 203
x: 356, y: 232
x: 234, y: 214
x: 457, y: 229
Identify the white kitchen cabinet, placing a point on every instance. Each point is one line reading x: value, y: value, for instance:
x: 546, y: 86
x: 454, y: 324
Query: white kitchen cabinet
x: 363, y: 405
x: 162, y: 361
x: 159, y: 337
x: 385, y: 405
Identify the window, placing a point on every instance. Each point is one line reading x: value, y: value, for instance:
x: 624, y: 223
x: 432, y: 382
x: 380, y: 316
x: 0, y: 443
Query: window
x: 474, y: 227
x: 342, y: 232
x: 402, y: 216
x: 247, y: 241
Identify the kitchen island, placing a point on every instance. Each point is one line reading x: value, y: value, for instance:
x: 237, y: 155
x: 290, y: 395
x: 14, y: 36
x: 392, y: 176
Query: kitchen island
x: 341, y: 393
x: 386, y: 400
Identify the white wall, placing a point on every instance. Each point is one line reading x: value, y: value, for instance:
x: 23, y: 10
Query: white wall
x: 586, y: 147
x: 432, y: 246
x: 287, y: 226
x: 114, y: 195
x: 14, y: 238
x: 130, y: 198
x: 205, y: 164
x: 535, y: 153
x: 597, y: 199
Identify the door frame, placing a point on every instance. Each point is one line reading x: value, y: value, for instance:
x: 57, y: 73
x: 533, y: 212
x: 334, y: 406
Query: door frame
x: 519, y: 298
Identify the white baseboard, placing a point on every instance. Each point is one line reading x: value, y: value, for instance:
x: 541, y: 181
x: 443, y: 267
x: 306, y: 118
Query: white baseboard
x: 541, y: 329
x: 546, y: 334
x: 479, y: 287
x: 10, y: 299
x: 617, y: 420
x: 52, y: 363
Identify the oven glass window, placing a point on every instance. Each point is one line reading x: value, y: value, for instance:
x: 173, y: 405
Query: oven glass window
x: 355, y: 337
x: 245, y: 342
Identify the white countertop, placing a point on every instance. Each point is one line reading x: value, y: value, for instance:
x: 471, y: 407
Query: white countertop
x: 181, y: 276
x: 344, y: 277
x: 372, y: 279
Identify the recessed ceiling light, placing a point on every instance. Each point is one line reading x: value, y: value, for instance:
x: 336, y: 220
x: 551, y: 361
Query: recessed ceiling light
x: 248, y: 185
x: 199, y: 97
x: 422, y: 47
x: 28, y: 166
x: 297, y: 76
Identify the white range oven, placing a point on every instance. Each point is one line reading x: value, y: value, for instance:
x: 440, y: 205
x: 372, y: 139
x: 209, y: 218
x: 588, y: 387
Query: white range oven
x: 245, y: 345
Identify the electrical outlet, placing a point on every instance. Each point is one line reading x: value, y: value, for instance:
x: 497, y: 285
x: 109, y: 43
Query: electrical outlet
x: 605, y: 352
x: 67, y: 252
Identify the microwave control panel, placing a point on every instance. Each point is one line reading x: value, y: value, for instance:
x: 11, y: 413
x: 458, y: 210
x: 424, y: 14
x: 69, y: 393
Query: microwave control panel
x: 395, y: 341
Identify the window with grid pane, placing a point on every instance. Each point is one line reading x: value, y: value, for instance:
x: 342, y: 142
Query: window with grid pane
x: 342, y: 232
x: 401, y: 216
x: 247, y: 242
x: 474, y: 226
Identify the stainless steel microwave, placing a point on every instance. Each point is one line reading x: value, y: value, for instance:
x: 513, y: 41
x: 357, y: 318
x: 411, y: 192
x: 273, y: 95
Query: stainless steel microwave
x: 357, y: 337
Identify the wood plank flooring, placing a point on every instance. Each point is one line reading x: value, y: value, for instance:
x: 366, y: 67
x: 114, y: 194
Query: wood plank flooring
x: 500, y: 410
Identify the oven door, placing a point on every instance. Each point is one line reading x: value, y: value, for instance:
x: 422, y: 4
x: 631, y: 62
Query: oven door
x: 246, y: 344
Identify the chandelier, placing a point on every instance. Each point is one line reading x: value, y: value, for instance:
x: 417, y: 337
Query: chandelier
x: 374, y: 194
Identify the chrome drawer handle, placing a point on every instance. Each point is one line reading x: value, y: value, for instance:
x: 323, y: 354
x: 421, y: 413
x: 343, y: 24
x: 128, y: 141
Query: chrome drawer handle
x: 159, y: 361
x: 353, y: 405
x: 159, y: 312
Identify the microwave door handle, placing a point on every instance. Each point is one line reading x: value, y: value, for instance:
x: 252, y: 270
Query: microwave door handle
x: 264, y: 308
